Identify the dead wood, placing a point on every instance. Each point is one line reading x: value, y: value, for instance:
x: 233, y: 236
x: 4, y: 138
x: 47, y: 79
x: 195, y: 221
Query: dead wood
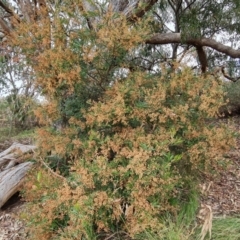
x: 12, y: 170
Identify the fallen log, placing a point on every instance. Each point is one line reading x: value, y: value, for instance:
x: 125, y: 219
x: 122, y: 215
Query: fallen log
x: 12, y: 171
x: 10, y: 156
x: 11, y: 179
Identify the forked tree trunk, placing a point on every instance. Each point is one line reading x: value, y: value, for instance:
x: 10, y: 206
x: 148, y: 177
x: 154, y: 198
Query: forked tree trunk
x: 12, y: 170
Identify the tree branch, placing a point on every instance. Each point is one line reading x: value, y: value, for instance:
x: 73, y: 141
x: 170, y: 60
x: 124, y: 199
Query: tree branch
x: 202, y: 57
x: 146, y: 6
x: 137, y: 9
x: 189, y: 4
x: 227, y: 76
x: 9, y: 10
x: 167, y: 38
x: 6, y: 8
x: 5, y: 29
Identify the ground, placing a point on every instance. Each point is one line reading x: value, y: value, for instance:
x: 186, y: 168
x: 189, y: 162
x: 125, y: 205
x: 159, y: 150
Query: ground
x: 11, y: 225
x: 221, y: 194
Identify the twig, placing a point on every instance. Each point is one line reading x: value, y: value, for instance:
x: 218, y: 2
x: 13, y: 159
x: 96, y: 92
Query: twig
x: 115, y: 234
x: 54, y: 173
x: 227, y: 76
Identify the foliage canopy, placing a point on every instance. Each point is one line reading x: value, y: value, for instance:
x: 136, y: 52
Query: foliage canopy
x: 133, y: 124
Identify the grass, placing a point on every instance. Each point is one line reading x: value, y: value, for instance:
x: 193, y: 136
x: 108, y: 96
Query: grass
x: 223, y: 229
x: 184, y: 226
x: 180, y: 227
x: 5, y: 133
x: 30, y: 133
x: 227, y: 228
x: 8, y: 133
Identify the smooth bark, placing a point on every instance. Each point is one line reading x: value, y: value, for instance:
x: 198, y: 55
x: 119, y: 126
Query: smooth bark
x: 166, y: 38
x: 13, y: 170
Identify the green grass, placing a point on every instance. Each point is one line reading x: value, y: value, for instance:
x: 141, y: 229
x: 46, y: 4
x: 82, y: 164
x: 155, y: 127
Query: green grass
x: 30, y: 133
x: 8, y: 129
x: 223, y: 229
x: 180, y: 227
x: 5, y: 133
x: 11, y: 134
x: 226, y: 228
x: 184, y: 225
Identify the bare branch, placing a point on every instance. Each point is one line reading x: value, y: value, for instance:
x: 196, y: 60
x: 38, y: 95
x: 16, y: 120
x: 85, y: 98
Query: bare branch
x: 171, y: 4
x: 50, y: 170
x: 189, y: 4
x: 132, y: 9
x: 137, y: 9
x: 9, y: 10
x: 119, y: 5
x: 183, y: 53
x: 227, y: 76
x: 167, y: 38
x: 6, y: 30
x: 6, y: 8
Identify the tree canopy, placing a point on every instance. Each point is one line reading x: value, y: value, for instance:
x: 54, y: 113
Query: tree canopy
x: 175, y: 27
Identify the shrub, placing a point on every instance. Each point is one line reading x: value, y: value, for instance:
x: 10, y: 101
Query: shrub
x: 133, y: 156
x: 21, y: 111
x: 132, y: 141
x: 17, y: 112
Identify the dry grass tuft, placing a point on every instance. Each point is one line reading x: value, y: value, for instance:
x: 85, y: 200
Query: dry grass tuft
x: 205, y: 215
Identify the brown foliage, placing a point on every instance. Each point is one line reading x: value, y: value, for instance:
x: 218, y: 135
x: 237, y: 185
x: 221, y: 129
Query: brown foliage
x: 132, y: 143
x: 156, y: 130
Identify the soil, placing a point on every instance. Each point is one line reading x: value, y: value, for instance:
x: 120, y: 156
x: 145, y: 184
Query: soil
x: 221, y: 194
x: 11, y: 225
